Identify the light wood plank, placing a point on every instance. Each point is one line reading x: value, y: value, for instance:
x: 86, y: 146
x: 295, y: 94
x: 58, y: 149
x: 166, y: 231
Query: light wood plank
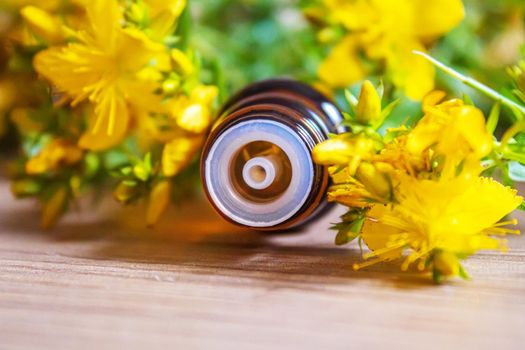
x: 101, y: 280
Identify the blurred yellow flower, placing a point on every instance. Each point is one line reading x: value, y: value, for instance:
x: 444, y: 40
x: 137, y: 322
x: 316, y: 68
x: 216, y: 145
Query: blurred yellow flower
x: 387, y: 31
x: 456, y: 216
x: 103, y: 66
x: 55, y: 154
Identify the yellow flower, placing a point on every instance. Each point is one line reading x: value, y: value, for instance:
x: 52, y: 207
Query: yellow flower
x: 103, y: 66
x: 454, y: 131
x: 388, y: 31
x: 57, y: 153
x: 458, y: 216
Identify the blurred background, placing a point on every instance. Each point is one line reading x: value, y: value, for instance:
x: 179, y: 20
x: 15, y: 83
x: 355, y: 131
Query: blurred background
x: 249, y: 40
x: 233, y: 43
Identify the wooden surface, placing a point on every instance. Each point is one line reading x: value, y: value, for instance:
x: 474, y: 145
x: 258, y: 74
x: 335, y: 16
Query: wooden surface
x: 102, y: 281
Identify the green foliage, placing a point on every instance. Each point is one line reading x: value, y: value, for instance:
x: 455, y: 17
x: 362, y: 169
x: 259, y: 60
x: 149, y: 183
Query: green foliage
x: 350, y: 226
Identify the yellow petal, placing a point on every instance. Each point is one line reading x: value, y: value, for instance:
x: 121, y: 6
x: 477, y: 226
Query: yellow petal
x: 377, y: 235
x: 108, y: 124
x: 42, y: 24
x: 432, y: 99
x: 343, y: 67
x: 105, y: 16
x: 61, y: 65
x: 410, y: 72
x: 182, y: 62
x: 437, y: 17
x: 164, y: 16
x: 158, y: 201
x: 471, y: 121
x: 354, y: 15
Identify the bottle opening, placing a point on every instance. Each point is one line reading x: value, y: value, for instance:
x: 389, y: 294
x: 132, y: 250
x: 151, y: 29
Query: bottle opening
x: 261, y: 171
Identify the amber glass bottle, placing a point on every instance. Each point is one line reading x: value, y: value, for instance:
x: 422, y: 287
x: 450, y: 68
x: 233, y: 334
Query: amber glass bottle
x: 257, y: 170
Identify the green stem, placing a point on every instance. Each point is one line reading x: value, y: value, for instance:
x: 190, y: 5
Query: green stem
x: 474, y: 84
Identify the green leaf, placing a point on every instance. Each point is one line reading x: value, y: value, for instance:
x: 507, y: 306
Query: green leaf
x: 492, y: 121
x: 385, y: 113
x: 126, y: 171
x: 521, y: 206
x: 463, y: 273
x: 381, y: 89
x: 351, y: 99
x: 348, y: 116
x: 348, y: 231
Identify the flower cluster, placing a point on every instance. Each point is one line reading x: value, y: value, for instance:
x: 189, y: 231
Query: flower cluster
x: 374, y: 36
x: 125, y: 96
x: 418, y: 193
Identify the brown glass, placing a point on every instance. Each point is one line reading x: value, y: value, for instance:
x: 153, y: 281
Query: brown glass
x: 309, y: 113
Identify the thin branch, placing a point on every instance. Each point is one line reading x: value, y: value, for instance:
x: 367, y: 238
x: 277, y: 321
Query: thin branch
x: 474, y: 84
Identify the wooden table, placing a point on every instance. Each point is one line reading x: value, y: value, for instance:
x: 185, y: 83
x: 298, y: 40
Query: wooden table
x: 101, y: 280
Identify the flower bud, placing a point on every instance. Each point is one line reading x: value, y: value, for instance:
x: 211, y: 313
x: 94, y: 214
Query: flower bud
x: 42, y: 24
x: 369, y: 105
x: 446, y: 263
x: 182, y: 63
x: 336, y: 151
x: 125, y: 192
x: 375, y: 181
x: 179, y: 153
x: 53, y: 208
x: 158, y: 201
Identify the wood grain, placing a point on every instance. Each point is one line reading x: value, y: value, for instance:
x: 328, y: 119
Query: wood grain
x: 101, y: 280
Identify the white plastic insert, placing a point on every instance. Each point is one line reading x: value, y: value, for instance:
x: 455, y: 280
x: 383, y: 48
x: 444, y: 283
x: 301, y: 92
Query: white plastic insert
x: 258, y: 173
